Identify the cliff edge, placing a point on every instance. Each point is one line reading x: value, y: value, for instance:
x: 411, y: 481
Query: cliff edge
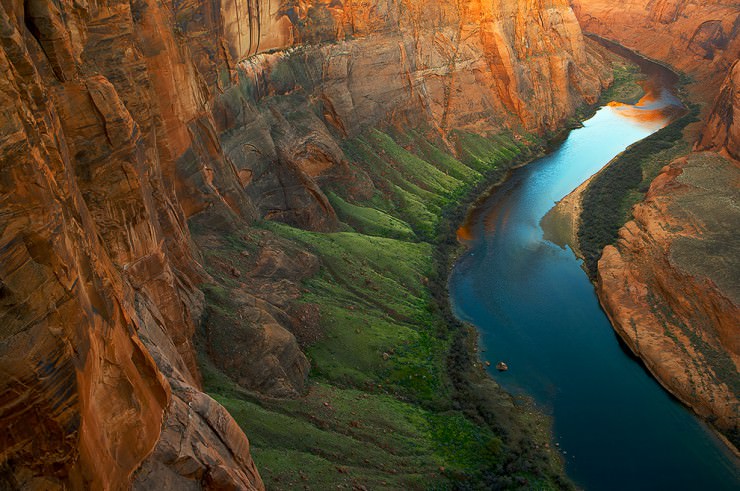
x: 126, y: 123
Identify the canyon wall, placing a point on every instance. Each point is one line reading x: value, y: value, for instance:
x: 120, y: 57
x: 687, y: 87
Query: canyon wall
x: 697, y: 37
x: 669, y: 283
x: 123, y: 121
x: 722, y: 131
x: 98, y: 276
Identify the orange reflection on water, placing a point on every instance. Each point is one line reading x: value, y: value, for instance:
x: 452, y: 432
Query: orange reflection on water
x: 464, y: 233
x: 650, y: 109
x: 655, y: 109
x: 493, y: 219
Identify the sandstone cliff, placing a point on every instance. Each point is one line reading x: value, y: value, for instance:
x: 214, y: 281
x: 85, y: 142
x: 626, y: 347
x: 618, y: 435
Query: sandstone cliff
x: 699, y: 38
x: 124, y: 121
x: 670, y: 286
x: 665, y: 283
x: 670, y: 283
x: 99, y: 295
x: 722, y: 131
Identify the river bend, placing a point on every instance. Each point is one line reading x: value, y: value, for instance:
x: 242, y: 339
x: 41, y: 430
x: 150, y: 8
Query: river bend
x: 537, y: 311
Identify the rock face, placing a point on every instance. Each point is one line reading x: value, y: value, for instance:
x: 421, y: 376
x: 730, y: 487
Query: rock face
x: 697, y: 37
x: 670, y: 284
x: 722, y: 131
x: 98, y: 281
x: 122, y: 121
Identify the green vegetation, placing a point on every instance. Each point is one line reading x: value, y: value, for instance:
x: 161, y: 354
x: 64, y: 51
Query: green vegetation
x: 608, y: 200
x: 396, y: 397
x: 373, y: 302
x: 347, y: 436
x: 624, y: 88
x: 370, y: 221
x: 417, y: 182
x: 485, y: 154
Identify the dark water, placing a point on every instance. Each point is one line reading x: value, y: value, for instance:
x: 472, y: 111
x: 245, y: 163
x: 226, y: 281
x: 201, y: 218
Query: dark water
x: 537, y: 311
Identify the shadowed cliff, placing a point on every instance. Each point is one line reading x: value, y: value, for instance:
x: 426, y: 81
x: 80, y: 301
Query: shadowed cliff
x: 666, y: 275
x: 123, y: 122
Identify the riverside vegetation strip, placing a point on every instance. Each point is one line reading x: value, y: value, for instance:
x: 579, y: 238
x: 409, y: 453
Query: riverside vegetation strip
x: 673, y: 305
x: 609, y: 197
x: 396, y: 397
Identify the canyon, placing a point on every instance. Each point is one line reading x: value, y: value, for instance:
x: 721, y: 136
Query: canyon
x: 668, y: 279
x: 183, y: 182
x: 669, y: 283
x: 696, y: 38
x: 140, y: 137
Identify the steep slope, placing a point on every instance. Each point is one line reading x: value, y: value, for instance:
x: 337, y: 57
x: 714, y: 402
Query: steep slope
x: 121, y: 121
x: 722, y: 131
x: 670, y: 284
x: 697, y: 37
x: 98, y: 278
x: 670, y: 287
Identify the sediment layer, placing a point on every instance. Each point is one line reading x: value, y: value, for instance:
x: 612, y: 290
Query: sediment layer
x: 127, y: 123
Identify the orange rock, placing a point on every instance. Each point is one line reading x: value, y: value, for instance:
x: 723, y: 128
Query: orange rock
x: 121, y: 121
x: 722, y: 132
x: 698, y: 38
x: 670, y: 287
x: 665, y: 283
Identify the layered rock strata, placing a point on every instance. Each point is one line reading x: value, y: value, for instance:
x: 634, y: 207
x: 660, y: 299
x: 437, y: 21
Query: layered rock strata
x: 699, y: 38
x: 121, y: 121
x: 670, y: 283
x: 722, y: 131
x: 670, y: 286
x: 664, y: 283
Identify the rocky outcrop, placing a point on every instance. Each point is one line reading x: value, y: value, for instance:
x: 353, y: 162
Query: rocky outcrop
x: 722, y: 131
x: 98, y: 277
x: 123, y: 122
x: 667, y: 283
x: 670, y: 283
x: 696, y: 37
x: 462, y: 67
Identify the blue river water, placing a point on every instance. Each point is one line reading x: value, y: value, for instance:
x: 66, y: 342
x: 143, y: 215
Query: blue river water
x: 535, y: 309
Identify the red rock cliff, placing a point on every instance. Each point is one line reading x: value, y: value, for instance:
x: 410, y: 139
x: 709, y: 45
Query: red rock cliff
x: 694, y: 36
x: 97, y: 276
x: 722, y: 131
x: 122, y: 120
x: 670, y: 283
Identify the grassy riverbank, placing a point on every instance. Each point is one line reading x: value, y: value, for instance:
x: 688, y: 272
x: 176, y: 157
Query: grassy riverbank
x: 397, y: 397
x: 607, y: 201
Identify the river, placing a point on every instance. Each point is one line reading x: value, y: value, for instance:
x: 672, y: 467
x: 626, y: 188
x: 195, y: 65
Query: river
x: 535, y: 309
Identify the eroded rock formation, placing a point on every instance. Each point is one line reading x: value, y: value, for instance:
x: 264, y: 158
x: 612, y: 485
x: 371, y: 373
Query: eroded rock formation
x: 670, y: 283
x: 123, y: 120
x: 666, y: 282
x: 722, y: 131
x: 694, y: 36
x: 99, y: 295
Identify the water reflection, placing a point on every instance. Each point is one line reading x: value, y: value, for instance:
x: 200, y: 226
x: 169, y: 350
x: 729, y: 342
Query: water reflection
x: 537, y: 311
x: 657, y: 107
